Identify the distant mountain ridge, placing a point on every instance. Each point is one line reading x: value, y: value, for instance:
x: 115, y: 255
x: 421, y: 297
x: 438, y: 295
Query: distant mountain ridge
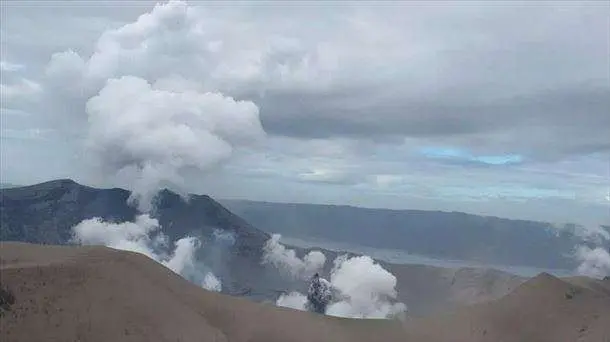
x: 46, y: 212
x: 447, y: 235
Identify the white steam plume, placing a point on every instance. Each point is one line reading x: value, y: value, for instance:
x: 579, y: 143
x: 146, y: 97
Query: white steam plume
x: 144, y: 236
x: 157, y: 134
x: 154, y: 105
x: 362, y: 288
x: 211, y: 283
x: 594, y: 262
x: 286, y: 259
x: 367, y: 289
x: 593, y: 256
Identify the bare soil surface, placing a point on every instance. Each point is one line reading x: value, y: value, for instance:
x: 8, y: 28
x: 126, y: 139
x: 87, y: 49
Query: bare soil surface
x: 53, y: 293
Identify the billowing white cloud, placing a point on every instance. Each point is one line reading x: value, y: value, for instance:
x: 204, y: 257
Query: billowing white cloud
x: 152, y: 94
x: 339, y: 98
x: 161, y: 132
x: 144, y: 236
x: 286, y: 259
x: 367, y: 290
x: 594, y: 262
x: 176, y: 39
x: 361, y: 287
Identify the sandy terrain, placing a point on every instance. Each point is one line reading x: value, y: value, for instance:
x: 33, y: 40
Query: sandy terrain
x: 99, y: 294
x: 431, y: 290
x: 544, y: 308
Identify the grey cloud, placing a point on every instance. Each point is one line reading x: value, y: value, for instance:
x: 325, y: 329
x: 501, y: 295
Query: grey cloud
x: 466, y: 75
x: 486, y: 81
x: 538, y: 123
x: 350, y: 98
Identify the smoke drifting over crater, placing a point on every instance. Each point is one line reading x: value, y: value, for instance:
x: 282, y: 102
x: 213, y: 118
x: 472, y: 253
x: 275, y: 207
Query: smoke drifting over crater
x: 361, y: 287
x: 286, y: 260
x: 144, y: 236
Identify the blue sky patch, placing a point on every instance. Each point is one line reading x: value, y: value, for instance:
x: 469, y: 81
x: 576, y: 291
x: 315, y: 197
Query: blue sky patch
x: 460, y: 155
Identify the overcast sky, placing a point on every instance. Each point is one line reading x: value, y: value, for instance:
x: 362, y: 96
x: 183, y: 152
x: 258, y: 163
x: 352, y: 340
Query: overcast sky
x: 498, y: 108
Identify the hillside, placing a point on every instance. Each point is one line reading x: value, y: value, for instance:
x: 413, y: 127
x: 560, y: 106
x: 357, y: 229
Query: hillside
x: 98, y: 294
x: 45, y: 213
x: 544, y: 309
x: 445, y: 235
x: 430, y: 290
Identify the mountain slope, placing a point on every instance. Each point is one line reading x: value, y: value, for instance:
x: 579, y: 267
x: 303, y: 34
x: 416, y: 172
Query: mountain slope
x: 99, y: 294
x: 445, y: 235
x: 46, y: 212
x: 542, y: 309
x: 430, y: 290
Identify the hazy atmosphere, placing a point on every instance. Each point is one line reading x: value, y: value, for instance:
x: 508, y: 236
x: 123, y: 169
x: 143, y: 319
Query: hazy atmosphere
x: 423, y: 105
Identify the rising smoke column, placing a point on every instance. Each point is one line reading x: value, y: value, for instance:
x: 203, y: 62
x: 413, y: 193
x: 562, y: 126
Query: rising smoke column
x: 593, y: 255
x: 156, y: 134
x: 157, y: 99
x: 286, y: 260
x: 150, y: 108
x: 152, y: 100
x: 594, y: 262
x: 144, y: 236
x: 367, y: 289
x: 362, y: 288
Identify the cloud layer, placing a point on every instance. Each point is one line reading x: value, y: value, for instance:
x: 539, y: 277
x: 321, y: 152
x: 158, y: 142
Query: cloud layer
x: 347, y: 105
